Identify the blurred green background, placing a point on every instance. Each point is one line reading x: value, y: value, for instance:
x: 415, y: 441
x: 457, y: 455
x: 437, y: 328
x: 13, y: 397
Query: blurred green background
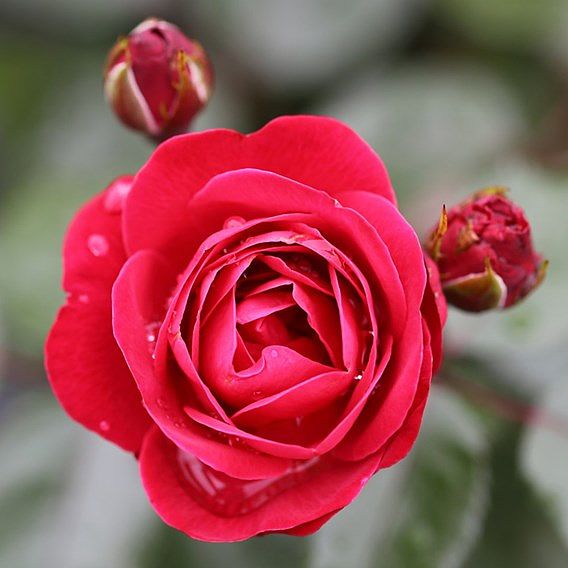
x: 454, y: 94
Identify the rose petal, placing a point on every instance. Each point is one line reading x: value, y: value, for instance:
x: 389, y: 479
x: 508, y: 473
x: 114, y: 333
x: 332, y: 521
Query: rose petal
x: 299, y: 400
x: 144, y: 279
x: 270, y: 447
x: 263, y: 304
x: 330, y: 157
x: 386, y: 410
x: 402, y: 441
x: 323, y: 318
x: 278, y: 368
x: 254, y: 194
x: 400, y: 238
x: 97, y: 391
x: 306, y: 493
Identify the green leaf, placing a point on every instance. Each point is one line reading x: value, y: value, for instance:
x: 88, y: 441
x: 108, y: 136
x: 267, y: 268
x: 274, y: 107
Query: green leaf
x: 518, y: 530
x: 544, y: 457
x: 67, y: 498
x: 426, y: 511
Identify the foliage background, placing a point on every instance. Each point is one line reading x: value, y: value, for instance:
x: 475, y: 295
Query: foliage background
x: 454, y: 94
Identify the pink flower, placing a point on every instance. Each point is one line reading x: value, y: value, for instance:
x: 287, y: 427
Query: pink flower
x: 157, y: 79
x: 255, y: 321
x: 486, y: 257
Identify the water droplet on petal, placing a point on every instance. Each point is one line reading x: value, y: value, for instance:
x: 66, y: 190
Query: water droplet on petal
x: 104, y: 425
x: 305, y: 265
x: 97, y: 244
x: 336, y: 203
x: 152, y: 330
x: 161, y: 403
x: 273, y: 353
x: 83, y: 298
x: 298, y: 420
x: 116, y: 194
x: 358, y: 377
x: 257, y: 394
x: 232, y: 222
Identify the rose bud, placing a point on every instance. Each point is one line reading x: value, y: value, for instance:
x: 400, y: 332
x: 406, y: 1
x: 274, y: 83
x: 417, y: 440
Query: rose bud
x: 157, y: 79
x: 252, y: 317
x: 484, y: 252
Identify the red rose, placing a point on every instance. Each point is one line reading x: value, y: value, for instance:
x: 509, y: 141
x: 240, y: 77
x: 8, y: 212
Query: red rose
x: 486, y: 256
x: 255, y: 321
x: 157, y: 79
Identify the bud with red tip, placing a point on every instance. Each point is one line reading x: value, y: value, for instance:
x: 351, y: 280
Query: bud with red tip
x: 484, y: 252
x: 157, y: 79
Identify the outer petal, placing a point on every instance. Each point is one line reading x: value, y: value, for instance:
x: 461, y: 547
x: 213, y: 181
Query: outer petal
x: 317, y: 151
x: 400, y: 237
x: 84, y: 364
x: 399, y: 445
x: 304, y: 494
x: 386, y: 410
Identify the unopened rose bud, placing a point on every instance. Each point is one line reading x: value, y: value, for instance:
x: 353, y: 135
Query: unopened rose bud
x: 157, y: 79
x: 484, y: 252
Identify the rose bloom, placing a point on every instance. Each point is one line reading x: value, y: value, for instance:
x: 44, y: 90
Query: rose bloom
x: 252, y: 317
x: 486, y: 256
x: 157, y: 79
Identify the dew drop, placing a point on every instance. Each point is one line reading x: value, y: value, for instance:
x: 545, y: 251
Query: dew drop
x: 104, y: 425
x: 358, y: 377
x: 97, y: 244
x: 83, y: 298
x: 336, y: 203
x: 257, y: 394
x: 152, y: 331
x: 161, y: 403
x: 274, y: 353
x: 298, y: 420
x: 116, y: 194
x: 232, y: 222
x: 304, y: 265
